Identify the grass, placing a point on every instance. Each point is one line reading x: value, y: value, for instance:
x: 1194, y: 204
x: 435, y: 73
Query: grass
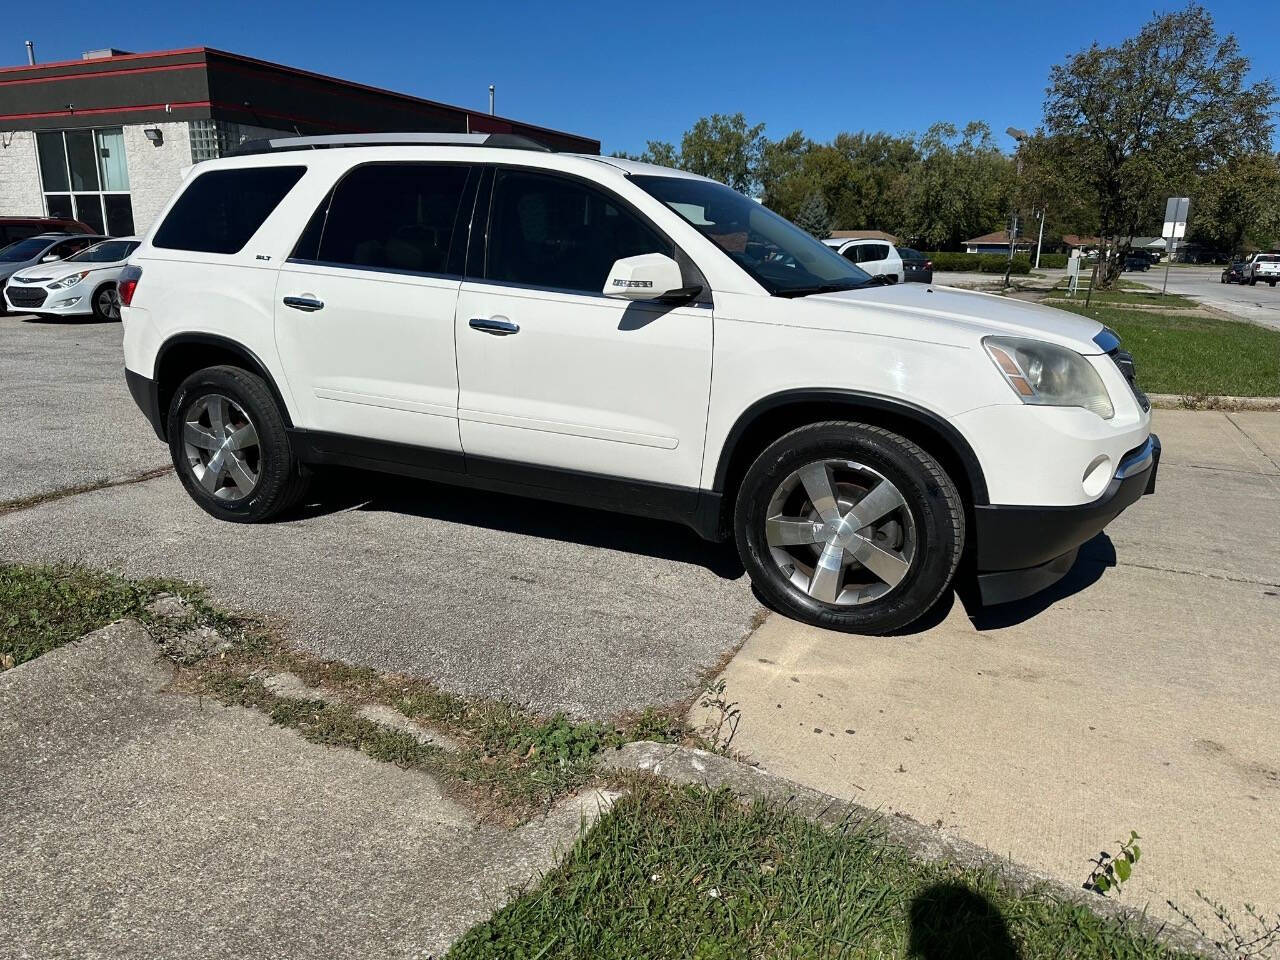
x: 1196, y: 356
x: 1128, y: 293
x: 680, y: 872
x: 509, y: 763
x: 43, y: 607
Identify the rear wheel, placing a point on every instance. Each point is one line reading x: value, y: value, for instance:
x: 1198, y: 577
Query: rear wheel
x: 230, y: 447
x: 849, y: 526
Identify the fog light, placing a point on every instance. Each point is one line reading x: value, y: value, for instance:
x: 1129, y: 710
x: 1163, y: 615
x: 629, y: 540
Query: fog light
x: 1097, y: 476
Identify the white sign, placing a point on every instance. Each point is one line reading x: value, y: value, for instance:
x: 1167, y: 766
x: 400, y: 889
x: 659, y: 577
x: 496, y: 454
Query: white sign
x: 1175, y: 217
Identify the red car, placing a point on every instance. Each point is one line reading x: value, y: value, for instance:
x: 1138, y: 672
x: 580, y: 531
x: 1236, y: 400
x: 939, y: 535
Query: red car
x: 13, y: 229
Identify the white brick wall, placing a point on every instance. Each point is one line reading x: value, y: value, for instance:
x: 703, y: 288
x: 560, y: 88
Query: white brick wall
x: 19, y: 175
x: 155, y: 172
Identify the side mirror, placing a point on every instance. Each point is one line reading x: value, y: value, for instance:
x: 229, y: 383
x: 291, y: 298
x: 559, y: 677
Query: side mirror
x: 650, y: 276
x: 49, y: 258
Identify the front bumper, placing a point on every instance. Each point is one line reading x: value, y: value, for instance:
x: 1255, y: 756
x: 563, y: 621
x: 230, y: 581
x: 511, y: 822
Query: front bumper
x: 1021, y: 550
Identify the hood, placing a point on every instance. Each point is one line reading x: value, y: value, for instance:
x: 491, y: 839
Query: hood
x: 982, y: 314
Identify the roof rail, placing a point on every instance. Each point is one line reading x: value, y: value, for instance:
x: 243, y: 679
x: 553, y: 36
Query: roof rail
x: 510, y: 141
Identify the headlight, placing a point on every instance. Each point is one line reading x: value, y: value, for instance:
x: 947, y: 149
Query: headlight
x: 1045, y: 374
x: 70, y: 281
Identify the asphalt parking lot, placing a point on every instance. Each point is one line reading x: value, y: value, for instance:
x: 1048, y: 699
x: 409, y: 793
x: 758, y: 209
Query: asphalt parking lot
x: 521, y: 600
x: 1260, y: 303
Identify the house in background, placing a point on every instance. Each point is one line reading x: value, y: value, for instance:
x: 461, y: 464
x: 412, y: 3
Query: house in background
x: 998, y: 243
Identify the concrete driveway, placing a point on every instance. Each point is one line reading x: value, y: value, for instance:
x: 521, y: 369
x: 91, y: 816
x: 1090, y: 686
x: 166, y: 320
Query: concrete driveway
x: 1140, y: 694
x: 1260, y: 304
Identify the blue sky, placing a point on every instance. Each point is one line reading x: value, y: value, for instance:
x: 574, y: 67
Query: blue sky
x: 628, y: 72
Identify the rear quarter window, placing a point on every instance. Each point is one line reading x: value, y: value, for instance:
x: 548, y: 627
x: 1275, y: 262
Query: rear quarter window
x: 220, y: 210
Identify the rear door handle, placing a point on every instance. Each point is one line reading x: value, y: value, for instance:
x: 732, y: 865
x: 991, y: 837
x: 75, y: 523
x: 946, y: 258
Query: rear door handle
x: 307, y: 304
x: 497, y: 326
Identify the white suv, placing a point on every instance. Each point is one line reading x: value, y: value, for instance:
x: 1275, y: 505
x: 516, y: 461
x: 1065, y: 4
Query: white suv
x: 880, y: 258
x: 625, y: 336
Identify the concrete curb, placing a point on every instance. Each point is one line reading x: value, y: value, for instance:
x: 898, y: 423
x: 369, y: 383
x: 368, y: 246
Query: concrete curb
x: 1174, y: 401
x: 690, y: 766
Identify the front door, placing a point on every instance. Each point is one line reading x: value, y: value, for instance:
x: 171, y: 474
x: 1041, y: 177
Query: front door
x: 365, y: 307
x: 553, y: 373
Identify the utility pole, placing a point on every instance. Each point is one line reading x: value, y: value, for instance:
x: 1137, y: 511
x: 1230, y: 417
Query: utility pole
x: 1018, y: 136
x: 1040, y: 240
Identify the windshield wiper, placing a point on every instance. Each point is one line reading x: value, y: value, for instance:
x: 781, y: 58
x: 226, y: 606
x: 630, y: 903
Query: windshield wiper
x: 832, y: 286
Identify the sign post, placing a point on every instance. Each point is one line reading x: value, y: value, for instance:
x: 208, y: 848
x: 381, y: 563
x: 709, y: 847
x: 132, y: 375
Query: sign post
x: 1175, y: 228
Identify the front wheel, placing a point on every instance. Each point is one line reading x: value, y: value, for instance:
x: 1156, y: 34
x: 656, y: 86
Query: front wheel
x: 106, y: 302
x: 849, y: 526
x: 230, y: 446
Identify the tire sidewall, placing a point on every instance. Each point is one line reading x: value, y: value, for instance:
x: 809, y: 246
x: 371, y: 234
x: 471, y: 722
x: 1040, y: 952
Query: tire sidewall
x: 93, y: 304
x: 276, y: 465
x: 899, y: 461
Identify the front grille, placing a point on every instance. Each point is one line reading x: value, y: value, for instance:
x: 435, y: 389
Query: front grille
x: 1109, y: 341
x: 1124, y: 360
x: 26, y: 296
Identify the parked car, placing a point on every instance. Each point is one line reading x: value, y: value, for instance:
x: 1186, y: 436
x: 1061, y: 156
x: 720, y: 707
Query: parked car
x: 1264, y: 267
x: 1137, y: 261
x: 42, y: 248
x: 877, y: 257
x: 1234, y: 272
x: 19, y: 228
x: 629, y: 337
x: 917, y: 268
x: 81, y: 285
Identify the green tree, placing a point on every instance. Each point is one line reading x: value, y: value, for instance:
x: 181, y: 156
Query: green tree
x: 1237, y: 206
x: 724, y: 148
x: 814, y: 218
x: 1140, y: 120
x: 960, y: 188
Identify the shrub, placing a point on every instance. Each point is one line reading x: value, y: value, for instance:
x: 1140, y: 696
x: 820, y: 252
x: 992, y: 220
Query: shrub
x: 978, y: 262
x: 1054, y: 261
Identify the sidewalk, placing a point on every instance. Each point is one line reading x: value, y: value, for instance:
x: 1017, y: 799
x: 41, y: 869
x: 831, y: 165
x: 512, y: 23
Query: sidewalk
x: 1138, y: 694
x: 136, y: 822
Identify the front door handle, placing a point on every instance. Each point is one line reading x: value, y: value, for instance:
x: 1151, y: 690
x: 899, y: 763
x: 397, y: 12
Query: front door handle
x: 498, y: 326
x: 307, y: 304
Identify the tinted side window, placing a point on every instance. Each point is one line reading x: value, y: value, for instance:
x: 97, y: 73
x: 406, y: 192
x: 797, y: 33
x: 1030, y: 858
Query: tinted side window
x: 69, y: 248
x: 392, y: 216
x: 548, y: 231
x: 222, y: 209
x: 15, y: 232
x: 875, y: 251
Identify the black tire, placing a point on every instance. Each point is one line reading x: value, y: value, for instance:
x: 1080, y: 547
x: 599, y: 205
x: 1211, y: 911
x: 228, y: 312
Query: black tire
x: 281, y: 480
x: 929, y: 494
x: 98, y: 312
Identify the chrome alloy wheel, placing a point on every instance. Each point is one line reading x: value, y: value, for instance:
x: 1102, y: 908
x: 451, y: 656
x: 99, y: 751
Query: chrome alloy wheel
x: 840, y: 532
x: 220, y: 443
x: 109, y: 303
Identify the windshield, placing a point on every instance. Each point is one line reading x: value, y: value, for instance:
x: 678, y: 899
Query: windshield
x: 780, y: 256
x: 24, y: 249
x: 109, y: 251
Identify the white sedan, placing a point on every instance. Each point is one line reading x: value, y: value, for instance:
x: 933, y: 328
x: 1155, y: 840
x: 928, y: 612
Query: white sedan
x: 79, y: 286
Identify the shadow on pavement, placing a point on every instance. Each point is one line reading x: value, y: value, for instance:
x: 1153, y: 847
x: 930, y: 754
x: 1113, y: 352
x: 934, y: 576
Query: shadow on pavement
x: 86, y: 320
x: 335, y: 490
x: 949, y: 921
x: 1095, y: 557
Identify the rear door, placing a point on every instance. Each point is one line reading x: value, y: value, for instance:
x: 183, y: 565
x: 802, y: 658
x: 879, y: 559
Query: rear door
x: 365, y: 306
x: 551, y: 372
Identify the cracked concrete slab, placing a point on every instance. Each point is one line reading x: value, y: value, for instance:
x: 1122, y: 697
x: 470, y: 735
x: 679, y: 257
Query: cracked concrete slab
x: 1137, y: 694
x: 140, y: 822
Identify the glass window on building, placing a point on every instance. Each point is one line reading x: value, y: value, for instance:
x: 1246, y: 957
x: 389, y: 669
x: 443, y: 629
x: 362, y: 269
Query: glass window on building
x: 85, y: 177
x: 211, y: 139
